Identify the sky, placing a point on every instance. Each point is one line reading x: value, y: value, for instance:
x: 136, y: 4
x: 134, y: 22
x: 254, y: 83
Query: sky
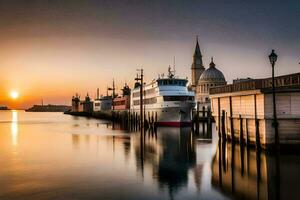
x: 51, y: 49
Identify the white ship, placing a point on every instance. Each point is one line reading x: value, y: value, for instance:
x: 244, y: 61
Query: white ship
x: 168, y: 99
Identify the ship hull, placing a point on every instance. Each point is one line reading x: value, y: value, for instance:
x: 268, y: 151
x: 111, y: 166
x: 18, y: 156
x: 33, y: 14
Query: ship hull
x: 171, y: 116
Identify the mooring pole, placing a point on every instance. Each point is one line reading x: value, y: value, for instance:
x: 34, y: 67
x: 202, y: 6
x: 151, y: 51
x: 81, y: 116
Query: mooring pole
x: 141, y: 78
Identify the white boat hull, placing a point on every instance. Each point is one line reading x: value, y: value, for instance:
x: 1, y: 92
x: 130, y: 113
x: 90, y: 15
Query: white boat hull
x: 171, y: 116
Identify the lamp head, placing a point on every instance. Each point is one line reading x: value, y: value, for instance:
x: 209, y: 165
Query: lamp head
x: 273, y: 57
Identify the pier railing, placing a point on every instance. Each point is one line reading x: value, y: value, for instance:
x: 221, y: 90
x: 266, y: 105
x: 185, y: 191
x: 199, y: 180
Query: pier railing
x: 256, y: 84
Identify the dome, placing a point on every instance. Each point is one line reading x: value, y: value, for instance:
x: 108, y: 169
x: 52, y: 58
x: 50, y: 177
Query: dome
x: 212, y: 74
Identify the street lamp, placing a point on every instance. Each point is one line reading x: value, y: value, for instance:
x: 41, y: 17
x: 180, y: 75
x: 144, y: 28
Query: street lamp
x: 141, y: 78
x: 273, y: 59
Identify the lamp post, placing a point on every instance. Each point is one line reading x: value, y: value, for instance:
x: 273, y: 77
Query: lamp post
x: 113, y: 94
x: 141, y: 78
x: 273, y: 59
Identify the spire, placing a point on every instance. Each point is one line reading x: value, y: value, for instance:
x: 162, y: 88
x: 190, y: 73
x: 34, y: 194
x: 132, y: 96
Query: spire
x: 212, y: 64
x: 197, y: 49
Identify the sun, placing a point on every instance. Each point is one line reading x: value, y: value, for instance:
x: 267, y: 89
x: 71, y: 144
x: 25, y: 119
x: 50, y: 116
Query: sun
x: 14, y: 94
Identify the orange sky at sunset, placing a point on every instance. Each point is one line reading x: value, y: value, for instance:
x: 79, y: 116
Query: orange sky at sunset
x: 52, y: 50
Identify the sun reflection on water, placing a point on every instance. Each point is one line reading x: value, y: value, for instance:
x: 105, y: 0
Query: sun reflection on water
x: 14, y: 127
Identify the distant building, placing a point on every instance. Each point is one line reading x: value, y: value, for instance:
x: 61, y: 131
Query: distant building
x: 197, y: 66
x: 211, y: 77
x: 49, y: 108
x: 2, y: 107
x: 242, y: 80
x: 203, y: 79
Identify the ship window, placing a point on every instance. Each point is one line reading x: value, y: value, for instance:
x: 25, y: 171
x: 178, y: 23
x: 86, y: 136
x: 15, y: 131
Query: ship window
x: 175, y: 98
x: 119, y: 103
x: 182, y: 83
x: 150, y: 100
x: 150, y: 91
x: 136, y: 94
x: 145, y: 101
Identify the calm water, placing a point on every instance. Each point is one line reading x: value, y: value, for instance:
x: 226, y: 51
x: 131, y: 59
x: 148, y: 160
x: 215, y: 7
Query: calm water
x: 56, y: 156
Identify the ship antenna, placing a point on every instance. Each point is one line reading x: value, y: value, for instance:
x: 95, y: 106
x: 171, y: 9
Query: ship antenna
x: 174, y: 65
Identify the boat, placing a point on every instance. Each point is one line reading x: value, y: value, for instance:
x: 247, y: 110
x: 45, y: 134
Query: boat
x: 168, y: 100
x: 122, y: 103
x: 104, y: 103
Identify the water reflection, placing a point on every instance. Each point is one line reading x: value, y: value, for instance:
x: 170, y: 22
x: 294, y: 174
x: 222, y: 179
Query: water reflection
x: 170, y: 153
x: 14, y: 127
x: 70, y: 160
x: 245, y: 173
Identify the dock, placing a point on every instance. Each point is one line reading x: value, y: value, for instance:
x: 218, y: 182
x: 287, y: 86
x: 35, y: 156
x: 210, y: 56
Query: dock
x: 243, y: 111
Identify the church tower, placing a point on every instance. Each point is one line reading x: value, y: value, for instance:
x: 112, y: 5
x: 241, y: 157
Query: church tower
x: 197, y: 66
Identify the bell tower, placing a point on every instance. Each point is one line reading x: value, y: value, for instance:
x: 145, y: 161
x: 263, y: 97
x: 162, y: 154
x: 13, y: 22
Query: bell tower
x: 197, y: 66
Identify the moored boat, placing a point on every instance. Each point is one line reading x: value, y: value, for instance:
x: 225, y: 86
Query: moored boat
x: 168, y: 99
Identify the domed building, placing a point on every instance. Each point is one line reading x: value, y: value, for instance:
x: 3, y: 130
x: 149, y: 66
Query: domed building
x: 211, y: 77
x: 203, y: 79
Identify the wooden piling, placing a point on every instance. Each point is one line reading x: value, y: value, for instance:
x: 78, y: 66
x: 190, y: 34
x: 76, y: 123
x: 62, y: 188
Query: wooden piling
x: 241, y: 129
x: 209, y: 121
x: 219, y: 118
x: 203, y: 124
x: 223, y: 126
x: 247, y: 133
x: 257, y: 140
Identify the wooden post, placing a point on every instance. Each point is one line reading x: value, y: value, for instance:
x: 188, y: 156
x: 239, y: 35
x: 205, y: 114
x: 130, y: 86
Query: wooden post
x: 209, y: 122
x: 144, y: 118
x: 149, y: 122
x: 241, y: 129
x: 219, y: 118
x: 152, y: 119
x: 223, y: 126
x: 198, y: 109
x: 135, y: 121
x: 197, y: 119
x: 257, y: 140
x: 203, y: 124
x: 231, y: 120
x: 247, y: 133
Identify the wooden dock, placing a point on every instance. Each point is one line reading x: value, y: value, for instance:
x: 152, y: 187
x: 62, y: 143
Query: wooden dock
x: 127, y: 120
x: 132, y: 121
x: 243, y: 111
